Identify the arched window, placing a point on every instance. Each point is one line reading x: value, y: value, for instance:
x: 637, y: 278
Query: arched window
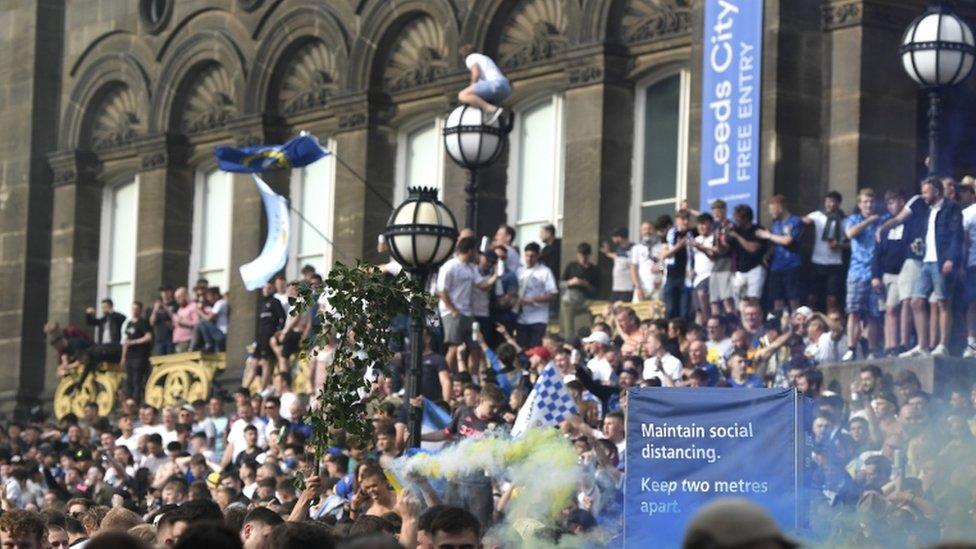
x: 117, y: 250
x: 535, y: 190
x: 420, y: 157
x: 312, y: 195
x: 660, y: 147
x: 210, y: 251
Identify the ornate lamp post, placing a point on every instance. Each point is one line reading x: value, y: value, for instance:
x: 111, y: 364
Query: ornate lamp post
x: 937, y: 51
x: 472, y: 144
x: 421, y: 233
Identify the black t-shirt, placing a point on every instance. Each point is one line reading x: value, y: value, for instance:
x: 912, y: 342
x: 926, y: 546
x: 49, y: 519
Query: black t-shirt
x: 272, y: 316
x: 134, y: 329
x: 163, y: 329
x: 466, y: 423
x: 430, y: 383
x: 590, y: 273
x: 745, y: 260
x: 679, y: 261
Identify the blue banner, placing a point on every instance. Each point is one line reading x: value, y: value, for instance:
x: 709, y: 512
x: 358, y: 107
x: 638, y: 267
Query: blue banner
x: 731, y: 102
x: 297, y: 153
x: 688, y: 446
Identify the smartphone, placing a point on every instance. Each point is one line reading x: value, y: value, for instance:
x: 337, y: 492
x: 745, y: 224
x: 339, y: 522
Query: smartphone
x: 484, y: 245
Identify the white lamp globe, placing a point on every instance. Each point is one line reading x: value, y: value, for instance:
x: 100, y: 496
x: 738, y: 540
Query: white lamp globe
x: 937, y: 48
x: 469, y: 141
x: 421, y: 231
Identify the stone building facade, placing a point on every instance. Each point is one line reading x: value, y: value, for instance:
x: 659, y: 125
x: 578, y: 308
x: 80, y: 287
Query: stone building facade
x: 110, y: 111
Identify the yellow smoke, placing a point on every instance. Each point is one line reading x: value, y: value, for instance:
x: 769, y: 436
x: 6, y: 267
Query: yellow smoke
x: 542, y: 465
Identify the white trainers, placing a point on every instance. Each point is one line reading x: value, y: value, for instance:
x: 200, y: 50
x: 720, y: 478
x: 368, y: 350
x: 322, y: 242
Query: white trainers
x: 970, y: 351
x: 848, y: 356
x: 940, y: 350
x: 914, y: 352
x: 495, y: 115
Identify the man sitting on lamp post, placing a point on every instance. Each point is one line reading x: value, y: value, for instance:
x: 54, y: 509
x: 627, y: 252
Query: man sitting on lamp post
x: 488, y: 88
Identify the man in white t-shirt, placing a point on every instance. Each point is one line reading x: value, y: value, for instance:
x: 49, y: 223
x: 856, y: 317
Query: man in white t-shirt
x: 235, y: 437
x: 827, y: 277
x: 488, y: 87
x: 646, y: 269
x: 537, y: 287
x: 967, y: 199
x: 597, y: 344
x: 705, y: 248
x: 659, y: 363
x: 505, y: 236
x: 455, y: 284
x: 822, y: 342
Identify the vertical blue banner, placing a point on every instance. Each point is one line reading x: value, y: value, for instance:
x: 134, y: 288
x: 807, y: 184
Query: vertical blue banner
x: 688, y: 446
x: 731, y: 102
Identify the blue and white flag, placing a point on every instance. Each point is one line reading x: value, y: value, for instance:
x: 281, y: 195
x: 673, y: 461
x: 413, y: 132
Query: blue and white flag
x: 274, y: 255
x: 299, y: 152
x: 548, y: 404
x: 434, y: 418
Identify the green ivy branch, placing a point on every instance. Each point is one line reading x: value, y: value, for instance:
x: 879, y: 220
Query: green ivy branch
x: 362, y: 303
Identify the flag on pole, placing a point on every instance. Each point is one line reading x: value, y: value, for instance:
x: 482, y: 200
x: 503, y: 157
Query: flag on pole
x: 274, y: 255
x: 548, y: 404
x: 434, y: 417
x: 299, y: 152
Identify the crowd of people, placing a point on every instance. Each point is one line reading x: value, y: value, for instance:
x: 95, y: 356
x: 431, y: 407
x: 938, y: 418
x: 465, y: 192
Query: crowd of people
x: 735, y: 305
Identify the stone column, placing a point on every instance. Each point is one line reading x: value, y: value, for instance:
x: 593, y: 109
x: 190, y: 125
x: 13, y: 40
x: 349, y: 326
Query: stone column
x: 599, y: 144
x: 870, y: 102
x: 365, y: 148
x: 165, y: 216
x: 32, y: 43
x: 74, y: 242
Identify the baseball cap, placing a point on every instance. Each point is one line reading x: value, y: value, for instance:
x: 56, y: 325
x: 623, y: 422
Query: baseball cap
x: 807, y: 312
x: 733, y: 522
x: 540, y: 352
x: 597, y: 337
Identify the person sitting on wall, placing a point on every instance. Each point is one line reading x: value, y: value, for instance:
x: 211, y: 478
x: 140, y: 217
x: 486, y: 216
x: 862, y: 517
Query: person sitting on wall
x: 488, y: 88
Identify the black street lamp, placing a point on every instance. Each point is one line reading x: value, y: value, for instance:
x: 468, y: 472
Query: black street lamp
x: 472, y: 144
x: 937, y: 51
x: 421, y: 233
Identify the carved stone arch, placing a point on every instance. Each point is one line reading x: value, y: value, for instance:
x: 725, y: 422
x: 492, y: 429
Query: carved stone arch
x: 108, y: 85
x: 398, y: 31
x: 303, y: 55
x: 207, y: 19
x: 532, y: 31
x: 207, y: 67
x: 114, y: 119
x: 639, y: 21
x: 598, y: 16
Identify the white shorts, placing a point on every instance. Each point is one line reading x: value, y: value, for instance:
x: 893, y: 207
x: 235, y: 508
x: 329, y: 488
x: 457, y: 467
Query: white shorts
x: 720, y: 286
x: 750, y: 284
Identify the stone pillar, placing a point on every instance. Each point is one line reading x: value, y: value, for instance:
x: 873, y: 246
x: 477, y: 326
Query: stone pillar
x: 599, y: 145
x: 32, y: 42
x: 165, y: 216
x: 365, y: 148
x: 74, y: 242
x: 870, y: 102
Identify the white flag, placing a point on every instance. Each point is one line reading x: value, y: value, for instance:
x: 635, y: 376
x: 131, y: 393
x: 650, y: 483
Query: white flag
x: 548, y: 404
x: 274, y: 255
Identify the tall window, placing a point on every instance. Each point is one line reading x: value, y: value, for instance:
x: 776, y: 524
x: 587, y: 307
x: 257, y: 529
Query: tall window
x: 210, y: 253
x: 660, y: 147
x: 312, y: 194
x: 420, y: 158
x: 117, y: 253
x: 536, y: 168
